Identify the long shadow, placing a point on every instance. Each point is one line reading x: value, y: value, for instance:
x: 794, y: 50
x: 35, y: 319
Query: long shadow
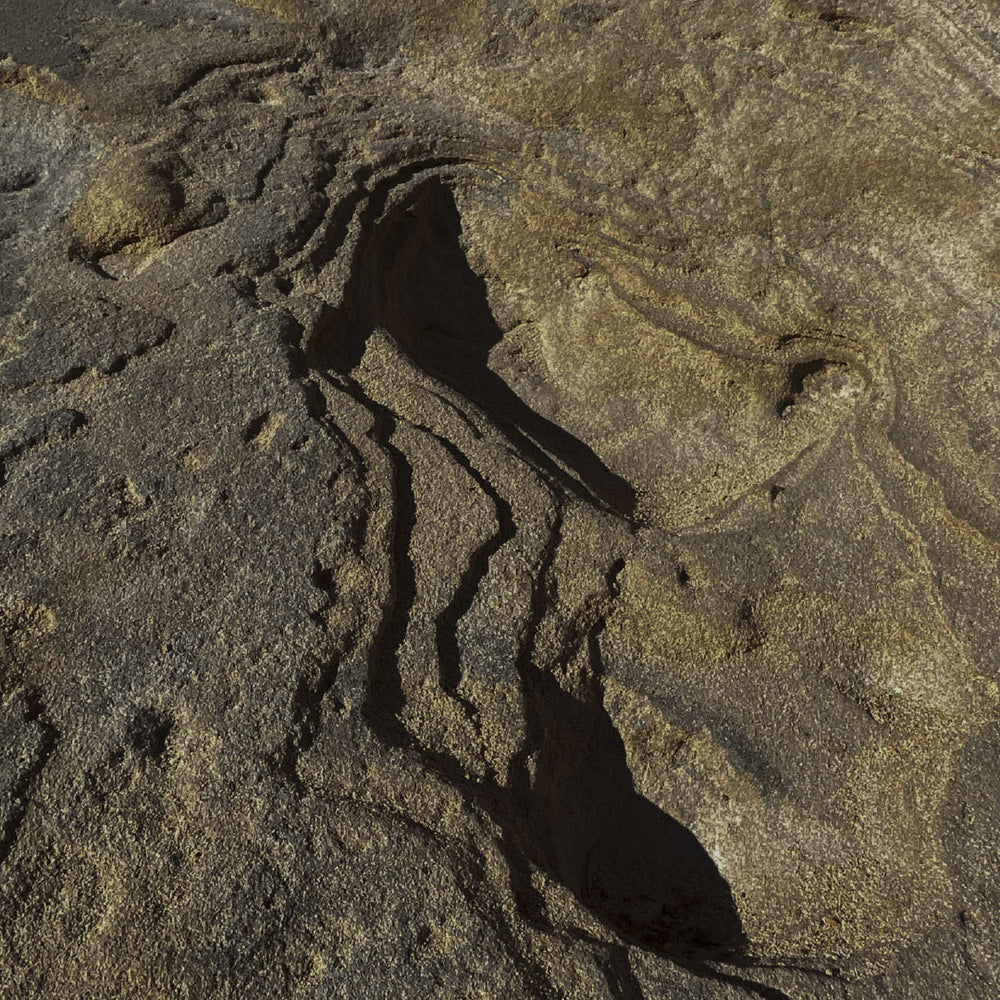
x: 578, y: 815
x: 412, y: 279
x: 642, y: 872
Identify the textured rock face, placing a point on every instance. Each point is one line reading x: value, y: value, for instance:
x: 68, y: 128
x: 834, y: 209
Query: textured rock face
x: 499, y: 499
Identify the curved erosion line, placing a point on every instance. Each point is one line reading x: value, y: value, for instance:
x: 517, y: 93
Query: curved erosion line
x: 389, y: 195
x: 35, y: 713
x: 471, y: 873
x: 406, y: 185
x: 506, y: 808
x: 422, y: 163
x: 545, y: 445
x: 365, y: 206
x: 369, y: 206
x: 446, y: 622
x: 697, y: 332
x: 503, y: 162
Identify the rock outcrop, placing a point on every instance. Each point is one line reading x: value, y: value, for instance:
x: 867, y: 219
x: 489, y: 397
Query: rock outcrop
x: 499, y: 499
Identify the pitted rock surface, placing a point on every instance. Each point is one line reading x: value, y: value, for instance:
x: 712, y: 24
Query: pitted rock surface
x: 499, y: 499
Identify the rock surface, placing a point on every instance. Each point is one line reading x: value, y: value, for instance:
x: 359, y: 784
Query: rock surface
x: 499, y: 499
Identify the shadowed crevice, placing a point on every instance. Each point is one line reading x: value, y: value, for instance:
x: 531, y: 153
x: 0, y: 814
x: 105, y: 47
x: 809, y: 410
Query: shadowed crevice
x: 642, y: 872
x: 571, y: 806
x: 413, y: 280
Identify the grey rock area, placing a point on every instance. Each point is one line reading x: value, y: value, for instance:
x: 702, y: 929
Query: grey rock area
x: 499, y: 499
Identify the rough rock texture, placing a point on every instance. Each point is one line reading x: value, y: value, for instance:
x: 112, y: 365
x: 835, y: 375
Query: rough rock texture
x: 499, y: 499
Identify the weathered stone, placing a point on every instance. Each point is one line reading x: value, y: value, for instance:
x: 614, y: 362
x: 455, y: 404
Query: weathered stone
x: 499, y: 499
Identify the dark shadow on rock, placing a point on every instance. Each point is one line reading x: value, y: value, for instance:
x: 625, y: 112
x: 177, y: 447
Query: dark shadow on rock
x: 412, y: 279
x: 642, y: 872
x: 576, y: 812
